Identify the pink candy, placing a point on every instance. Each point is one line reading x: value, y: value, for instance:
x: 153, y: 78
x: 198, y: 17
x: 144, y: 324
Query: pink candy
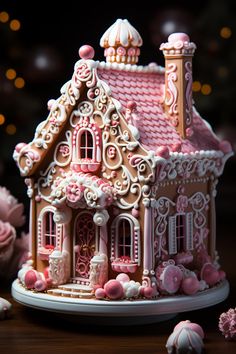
x: 193, y: 326
x: 190, y: 285
x: 114, y: 289
x: 31, y: 276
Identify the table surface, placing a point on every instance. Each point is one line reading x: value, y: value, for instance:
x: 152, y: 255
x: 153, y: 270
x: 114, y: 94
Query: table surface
x: 34, y: 331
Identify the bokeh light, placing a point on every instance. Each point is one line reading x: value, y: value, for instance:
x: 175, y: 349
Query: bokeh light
x: 15, y: 25
x: 196, y: 86
x: 4, y: 17
x: 19, y: 82
x: 11, y: 129
x: 10, y: 74
x: 225, y: 32
x: 2, y: 119
x: 206, y: 89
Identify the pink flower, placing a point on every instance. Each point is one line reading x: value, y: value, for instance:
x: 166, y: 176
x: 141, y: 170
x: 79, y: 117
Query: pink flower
x: 64, y: 150
x: 7, y: 239
x: 74, y: 192
x: 227, y: 324
x: 10, y: 209
x: 18, y: 255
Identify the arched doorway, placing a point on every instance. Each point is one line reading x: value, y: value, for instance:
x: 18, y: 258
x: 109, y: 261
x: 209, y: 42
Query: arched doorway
x: 85, y: 240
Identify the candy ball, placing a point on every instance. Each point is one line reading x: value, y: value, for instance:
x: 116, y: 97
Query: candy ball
x: 190, y: 285
x: 100, y: 293
x: 31, y: 276
x: 114, y: 289
x: 123, y: 277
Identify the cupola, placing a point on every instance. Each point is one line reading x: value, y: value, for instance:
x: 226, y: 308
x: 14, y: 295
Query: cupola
x: 121, y: 42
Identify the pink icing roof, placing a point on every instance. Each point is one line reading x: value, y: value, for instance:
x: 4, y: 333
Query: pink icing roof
x: 146, y: 89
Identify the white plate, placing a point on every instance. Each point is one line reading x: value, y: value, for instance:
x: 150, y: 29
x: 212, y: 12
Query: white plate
x: 121, y: 312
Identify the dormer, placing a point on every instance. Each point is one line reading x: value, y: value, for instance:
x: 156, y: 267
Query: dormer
x: 87, y: 144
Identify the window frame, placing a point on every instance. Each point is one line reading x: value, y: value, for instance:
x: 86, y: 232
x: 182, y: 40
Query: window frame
x: 174, y: 235
x: 43, y: 251
x: 87, y: 149
x: 135, y: 238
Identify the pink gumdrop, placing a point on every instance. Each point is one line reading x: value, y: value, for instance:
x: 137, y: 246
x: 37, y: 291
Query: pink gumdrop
x: 148, y: 292
x: 131, y: 105
x: 193, y: 326
x: 100, y: 293
x: 123, y: 277
x: 176, y: 147
x: 114, y: 289
x: 178, y: 36
x: 163, y: 151
x: 210, y: 274
x: 31, y: 276
x: 86, y: 52
x: 190, y: 285
x: 40, y: 285
x: 19, y: 147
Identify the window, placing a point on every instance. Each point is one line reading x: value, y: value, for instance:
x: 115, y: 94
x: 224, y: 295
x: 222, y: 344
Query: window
x: 180, y: 233
x: 125, y: 244
x: 50, y: 236
x: 86, y: 145
x: 124, y: 239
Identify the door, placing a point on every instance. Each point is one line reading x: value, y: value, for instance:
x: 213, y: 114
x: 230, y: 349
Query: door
x: 84, y: 243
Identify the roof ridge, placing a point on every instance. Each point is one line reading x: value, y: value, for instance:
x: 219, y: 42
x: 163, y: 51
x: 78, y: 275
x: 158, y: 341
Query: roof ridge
x: 150, y: 68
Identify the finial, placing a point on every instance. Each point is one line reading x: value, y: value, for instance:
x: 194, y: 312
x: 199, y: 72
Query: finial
x: 86, y: 52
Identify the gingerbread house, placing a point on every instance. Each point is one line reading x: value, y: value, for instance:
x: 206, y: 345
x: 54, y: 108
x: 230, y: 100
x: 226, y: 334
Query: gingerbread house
x: 122, y: 178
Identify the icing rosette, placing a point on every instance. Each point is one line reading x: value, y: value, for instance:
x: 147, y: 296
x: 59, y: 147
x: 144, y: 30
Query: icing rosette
x: 7, y: 239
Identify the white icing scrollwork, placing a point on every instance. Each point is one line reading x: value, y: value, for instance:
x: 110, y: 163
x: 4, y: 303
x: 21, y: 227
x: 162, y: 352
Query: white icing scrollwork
x: 185, y: 165
x: 188, y: 92
x: 45, y: 182
x: 199, y: 203
x: 172, y: 92
x: 63, y: 151
x: 162, y: 208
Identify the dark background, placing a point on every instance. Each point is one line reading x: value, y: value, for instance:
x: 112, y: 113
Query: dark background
x: 45, y: 48
x: 51, y: 33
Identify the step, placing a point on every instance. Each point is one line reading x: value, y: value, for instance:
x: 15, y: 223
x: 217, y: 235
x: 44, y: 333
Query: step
x: 73, y: 294
x: 76, y: 288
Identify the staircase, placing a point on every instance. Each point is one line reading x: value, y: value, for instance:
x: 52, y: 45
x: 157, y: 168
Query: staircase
x: 73, y: 291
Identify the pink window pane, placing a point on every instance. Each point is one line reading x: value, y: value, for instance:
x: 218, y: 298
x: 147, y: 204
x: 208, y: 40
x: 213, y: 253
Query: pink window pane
x: 124, y: 239
x: 49, y: 230
x: 180, y: 232
x: 86, y: 145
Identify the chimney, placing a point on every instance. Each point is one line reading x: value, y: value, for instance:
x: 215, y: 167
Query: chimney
x: 178, y: 52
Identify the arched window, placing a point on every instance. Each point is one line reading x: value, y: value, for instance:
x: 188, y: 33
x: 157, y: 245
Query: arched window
x: 124, y: 239
x: 49, y: 232
x: 85, y: 146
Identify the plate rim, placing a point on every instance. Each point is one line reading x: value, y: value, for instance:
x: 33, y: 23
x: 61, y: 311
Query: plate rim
x: 120, y: 308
